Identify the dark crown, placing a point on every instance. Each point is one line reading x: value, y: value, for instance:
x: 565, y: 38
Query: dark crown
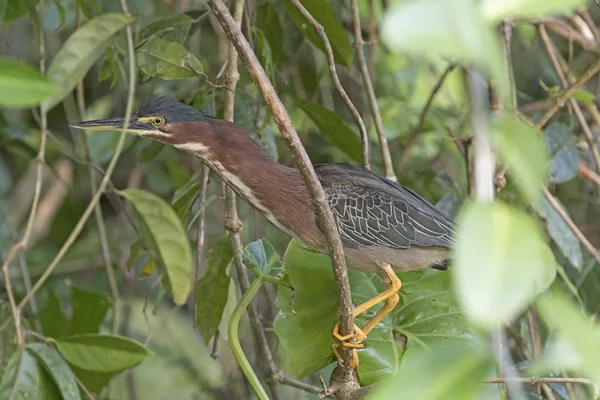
x: 170, y: 109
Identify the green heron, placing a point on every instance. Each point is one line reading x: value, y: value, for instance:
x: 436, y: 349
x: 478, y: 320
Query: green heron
x: 384, y: 227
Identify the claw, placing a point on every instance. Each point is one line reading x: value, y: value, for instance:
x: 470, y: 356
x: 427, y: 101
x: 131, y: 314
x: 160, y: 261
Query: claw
x: 357, y: 337
x: 353, y: 361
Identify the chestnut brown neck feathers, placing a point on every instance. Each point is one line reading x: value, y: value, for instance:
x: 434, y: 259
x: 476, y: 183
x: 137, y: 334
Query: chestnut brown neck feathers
x: 275, y: 190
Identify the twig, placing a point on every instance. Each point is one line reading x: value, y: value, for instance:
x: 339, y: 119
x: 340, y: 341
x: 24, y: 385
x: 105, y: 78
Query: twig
x: 563, y: 29
x: 288, y: 132
x: 200, y: 240
x: 372, y: 38
x: 556, y: 62
x: 587, y: 173
x: 113, y: 163
x: 566, y: 94
x: 336, y: 81
x: 586, y: 243
x: 232, y: 221
x: 286, y: 380
x: 364, y: 72
x: 104, y: 247
x: 535, y: 380
x: 414, y: 135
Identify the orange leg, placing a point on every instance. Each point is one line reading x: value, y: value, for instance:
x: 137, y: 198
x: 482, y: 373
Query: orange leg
x: 391, y: 298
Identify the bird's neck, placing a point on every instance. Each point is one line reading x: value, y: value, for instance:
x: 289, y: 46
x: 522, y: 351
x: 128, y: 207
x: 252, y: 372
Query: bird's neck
x: 275, y: 190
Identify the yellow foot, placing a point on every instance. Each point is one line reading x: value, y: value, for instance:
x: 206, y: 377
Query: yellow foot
x: 357, y: 337
x: 353, y: 361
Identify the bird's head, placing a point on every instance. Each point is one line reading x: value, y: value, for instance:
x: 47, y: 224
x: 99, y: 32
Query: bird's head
x: 160, y: 118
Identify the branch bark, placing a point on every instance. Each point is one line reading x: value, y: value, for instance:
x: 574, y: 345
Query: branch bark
x: 288, y: 132
x: 232, y: 221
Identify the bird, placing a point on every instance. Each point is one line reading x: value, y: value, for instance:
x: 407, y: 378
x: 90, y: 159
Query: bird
x: 384, y: 226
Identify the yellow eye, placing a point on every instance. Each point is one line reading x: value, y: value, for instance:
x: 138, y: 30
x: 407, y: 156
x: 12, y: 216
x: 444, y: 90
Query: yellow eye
x: 158, y: 121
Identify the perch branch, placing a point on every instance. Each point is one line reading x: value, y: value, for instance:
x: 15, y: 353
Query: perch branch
x: 232, y: 221
x: 366, y: 78
x: 336, y: 81
x: 288, y: 132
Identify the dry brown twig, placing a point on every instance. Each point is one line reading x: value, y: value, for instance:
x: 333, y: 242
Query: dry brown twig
x: 586, y: 173
x: 233, y: 225
x: 336, y: 81
x: 364, y: 72
x: 309, y: 176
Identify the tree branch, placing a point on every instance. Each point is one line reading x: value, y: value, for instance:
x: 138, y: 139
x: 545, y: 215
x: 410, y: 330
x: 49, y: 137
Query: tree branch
x: 336, y: 81
x: 364, y: 72
x: 288, y: 132
x: 232, y: 221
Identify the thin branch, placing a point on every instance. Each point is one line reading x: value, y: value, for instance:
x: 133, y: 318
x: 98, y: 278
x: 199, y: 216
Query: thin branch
x: 586, y: 243
x: 200, y: 240
x: 288, y: 132
x: 587, y: 173
x: 232, y: 221
x: 364, y: 72
x: 566, y: 94
x: 414, y: 135
x: 556, y: 62
x: 286, y: 380
x: 336, y: 81
x: 111, y: 167
x: 534, y: 381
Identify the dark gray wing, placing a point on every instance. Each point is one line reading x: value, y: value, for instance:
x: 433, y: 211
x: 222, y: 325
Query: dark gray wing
x: 371, y: 210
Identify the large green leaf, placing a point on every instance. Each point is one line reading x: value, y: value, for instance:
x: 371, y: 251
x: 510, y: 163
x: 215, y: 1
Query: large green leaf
x: 268, y: 22
x: 581, y: 336
x: 170, y: 241
x: 173, y: 28
x: 451, y: 370
x: 564, y: 156
x: 101, y: 353
x: 80, y: 52
x: 523, y: 150
x: 263, y: 256
x: 333, y: 129
x: 58, y: 369
x: 184, y: 195
x: 427, y: 313
x: 452, y: 29
x: 21, y: 85
x: 497, y: 10
x: 53, y: 320
x: 89, y: 310
x: 28, y: 386
x: 501, y: 262
x: 324, y: 14
x: 168, y: 60
x: 213, y: 288
x: 560, y: 232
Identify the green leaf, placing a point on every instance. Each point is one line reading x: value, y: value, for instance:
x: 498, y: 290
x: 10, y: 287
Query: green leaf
x: 89, y: 310
x: 563, y: 317
x: 522, y: 149
x: 497, y: 10
x: 170, y: 242
x: 182, y: 198
x: 101, y: 353
x: 267, y: 20
x: 80, y: 52
x: 53, y: 320
x: 500, y: 265
x: 150, y: 150
x: 28, y: 386
x: 425, y: 315
x: 585, y: 97
x: 560, y: 232
x: 168, y: 60
x: 173, y: 28
x: 564, y: 156
x: 58, y: 369
x: 324, y: 14
x: 21, y: 85
x: 334, y: 129
x: 454, y: 370
x: 263, y: 256
x: 212, y: 289
x: 451, y: 29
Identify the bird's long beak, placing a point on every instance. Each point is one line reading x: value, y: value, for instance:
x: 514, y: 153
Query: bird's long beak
x: 113, y: 124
